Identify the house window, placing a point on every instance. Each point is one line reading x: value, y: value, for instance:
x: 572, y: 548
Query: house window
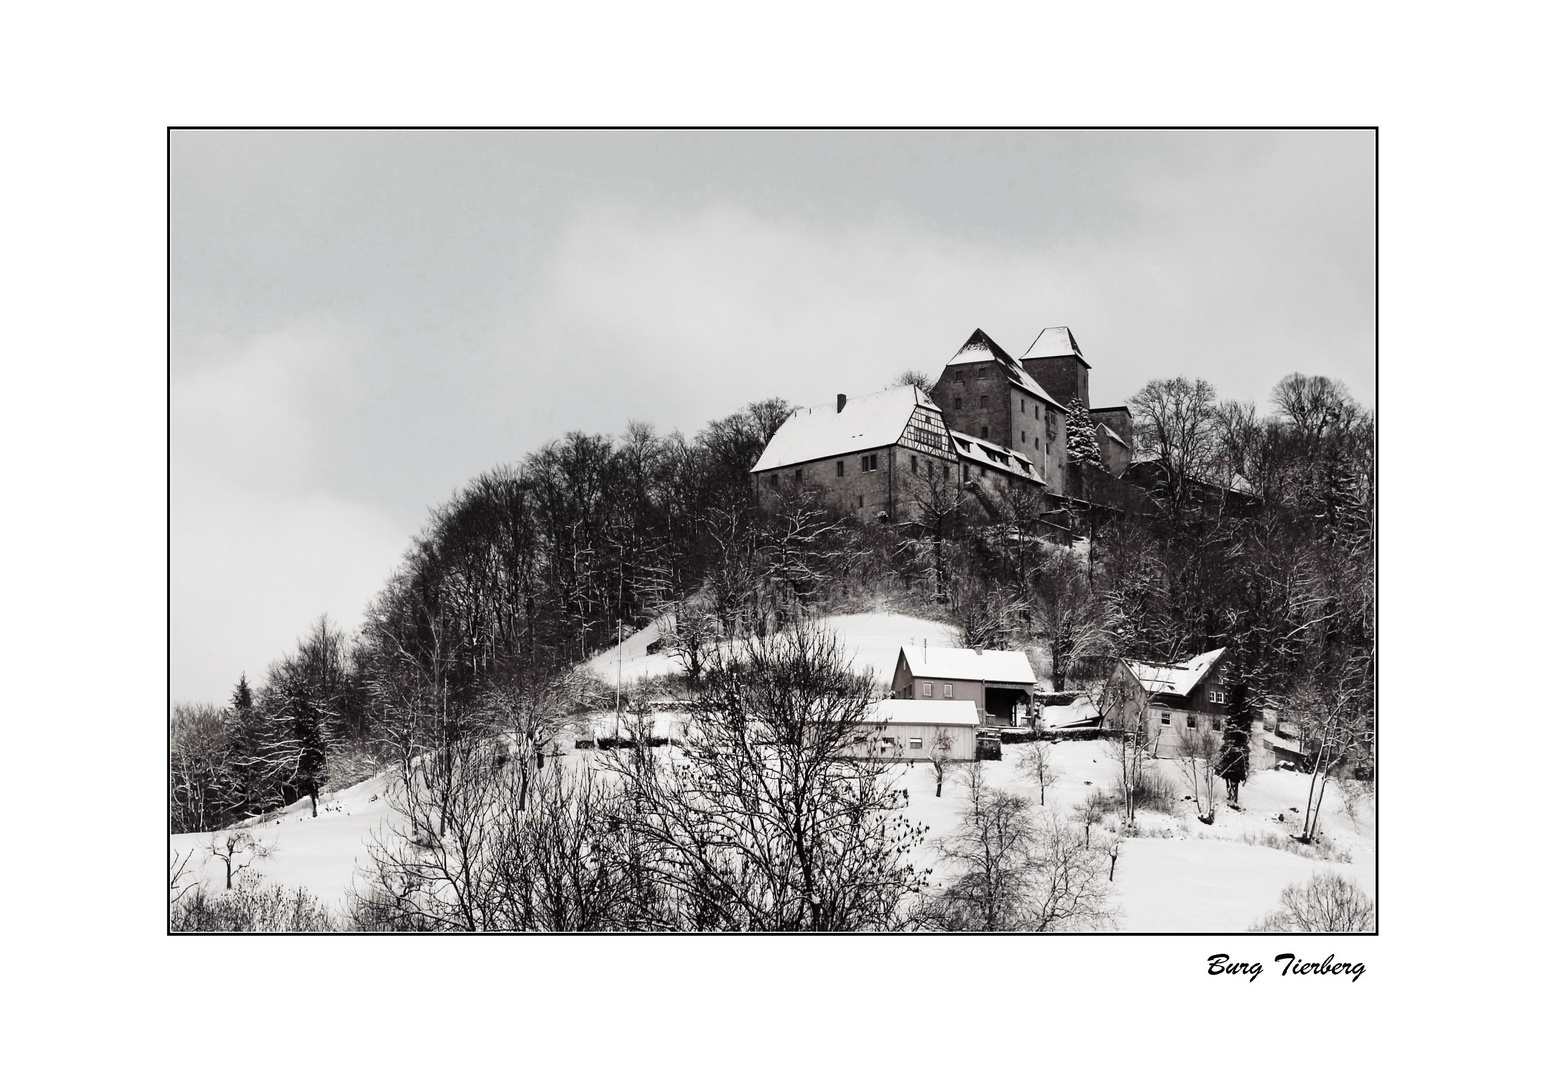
x: 866, y: 462
x: 1023, y: 406
x: 1164, y: 719
x: 798, y: 476
x: 958, y: 403
x: 966, y: 473
x: 874, y: 463
x: 927, y: 689
x: 914, y: 466
x: 985, y: 433
x: 1190, y: 722
x: 984, y: 401
x: 1025, y: 436
x: 860, y: 502
x: 773, y: 479
x: 1217, y: 724
x: 944, y: 472
x: 916, y: 744
x: 839, y: 468
x: 959, y: 374
x: 888, y: 741
x: 947, y: 689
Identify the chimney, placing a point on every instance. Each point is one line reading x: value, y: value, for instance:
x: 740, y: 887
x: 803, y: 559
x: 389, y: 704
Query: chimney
x: 839, y: 408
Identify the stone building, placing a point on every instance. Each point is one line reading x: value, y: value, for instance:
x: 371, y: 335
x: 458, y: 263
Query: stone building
x: 989, y: 423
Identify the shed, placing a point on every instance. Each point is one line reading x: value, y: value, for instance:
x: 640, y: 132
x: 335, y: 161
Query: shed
x: 910, y: 729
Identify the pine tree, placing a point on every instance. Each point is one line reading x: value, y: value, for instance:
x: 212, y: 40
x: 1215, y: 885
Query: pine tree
x: 1081, y: 444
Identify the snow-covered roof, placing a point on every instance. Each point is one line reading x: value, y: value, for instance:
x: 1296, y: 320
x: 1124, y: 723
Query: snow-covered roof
x: 1178, y: 679
x: 982, y: 348
x: 1109, y: 433
x: 993, y: 456
x: 1054, y: 341
x: 1080, y: 712
x: 865, y: 423
x: 940, y: 711
x: 988, y: 665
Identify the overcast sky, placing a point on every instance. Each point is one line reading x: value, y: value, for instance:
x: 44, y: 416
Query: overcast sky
x: 361, y: 322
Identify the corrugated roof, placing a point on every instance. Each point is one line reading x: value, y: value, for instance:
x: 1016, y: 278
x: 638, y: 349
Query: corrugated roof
x: 989, y: 665
x: 1178, y: 679
x: 866, y: 423
x: 905, y: 711
x: 1054, y: 341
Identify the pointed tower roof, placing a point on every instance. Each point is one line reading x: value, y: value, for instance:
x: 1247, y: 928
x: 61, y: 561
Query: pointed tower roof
x: 1055, y: 341
x: 982, y: 347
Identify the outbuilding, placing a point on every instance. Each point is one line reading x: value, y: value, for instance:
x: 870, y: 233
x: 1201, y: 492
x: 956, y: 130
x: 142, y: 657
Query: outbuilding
x: 911, y: 730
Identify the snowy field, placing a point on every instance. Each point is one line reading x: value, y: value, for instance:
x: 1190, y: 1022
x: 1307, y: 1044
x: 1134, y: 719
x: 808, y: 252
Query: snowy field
x: 1180, y: 876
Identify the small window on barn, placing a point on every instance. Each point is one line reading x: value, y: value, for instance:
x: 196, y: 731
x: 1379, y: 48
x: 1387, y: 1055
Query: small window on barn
x: 839, y: 468
x: 947, y: 689
x: 926, y: 689
x: 916, y: 744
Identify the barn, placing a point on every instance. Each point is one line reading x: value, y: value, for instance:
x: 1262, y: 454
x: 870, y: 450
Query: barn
x: 910, y: 730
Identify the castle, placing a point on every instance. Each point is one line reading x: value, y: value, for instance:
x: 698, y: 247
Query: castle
x: 991, y: 424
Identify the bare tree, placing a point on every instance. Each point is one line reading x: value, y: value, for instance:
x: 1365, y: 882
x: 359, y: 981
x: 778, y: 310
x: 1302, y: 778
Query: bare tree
x: 1197, y: 757
x: 1174, y: 422
x: 771, y: 817
x: 941, y: 756
x: 1337, y: 707
x: 1013, y: 870
x: 1089, y: 813
x: 1326, y: 904
x: 1036, y: 764
x: 237, y: 850
x: 528, y: 709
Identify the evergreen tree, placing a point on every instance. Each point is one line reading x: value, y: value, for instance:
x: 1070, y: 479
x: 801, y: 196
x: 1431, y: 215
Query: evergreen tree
x: 1081, y: 443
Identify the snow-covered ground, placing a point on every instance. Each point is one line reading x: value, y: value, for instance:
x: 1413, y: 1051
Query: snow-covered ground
x: 1180, y: 875
x: 872, y: 641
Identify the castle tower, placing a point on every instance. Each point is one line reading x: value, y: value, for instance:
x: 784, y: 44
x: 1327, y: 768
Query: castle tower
x: 1056, y: 363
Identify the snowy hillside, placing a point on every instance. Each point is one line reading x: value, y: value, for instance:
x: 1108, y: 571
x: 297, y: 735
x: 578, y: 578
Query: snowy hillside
x: 1180, y: 875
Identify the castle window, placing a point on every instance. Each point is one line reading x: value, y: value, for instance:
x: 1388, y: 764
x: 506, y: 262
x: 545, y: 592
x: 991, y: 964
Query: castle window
x: 839, y: 467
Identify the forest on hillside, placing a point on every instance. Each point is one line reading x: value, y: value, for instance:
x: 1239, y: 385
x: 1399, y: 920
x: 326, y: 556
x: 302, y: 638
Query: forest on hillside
x: 537, y: 565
